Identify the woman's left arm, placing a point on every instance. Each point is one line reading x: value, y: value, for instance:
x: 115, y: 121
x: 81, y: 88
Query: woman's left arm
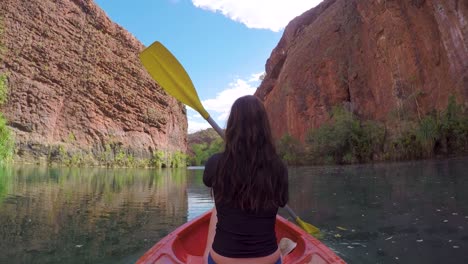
x: 211, y: 233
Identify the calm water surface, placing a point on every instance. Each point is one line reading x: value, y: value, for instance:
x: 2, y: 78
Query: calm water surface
x: 412, y: 212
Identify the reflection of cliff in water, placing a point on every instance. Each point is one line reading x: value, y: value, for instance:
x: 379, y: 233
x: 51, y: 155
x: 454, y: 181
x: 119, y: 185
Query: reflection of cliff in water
x: 53, y: 215
x: 199, y: 198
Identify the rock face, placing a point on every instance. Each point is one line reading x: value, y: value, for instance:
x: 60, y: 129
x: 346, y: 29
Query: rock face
x: 378, y: 58
x: 75, y: 81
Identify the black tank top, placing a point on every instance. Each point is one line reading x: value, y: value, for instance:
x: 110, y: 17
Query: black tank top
x: 241, y: 234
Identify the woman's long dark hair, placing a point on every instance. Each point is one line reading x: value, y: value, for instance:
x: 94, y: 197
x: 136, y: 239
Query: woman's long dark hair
x: 250, y: 175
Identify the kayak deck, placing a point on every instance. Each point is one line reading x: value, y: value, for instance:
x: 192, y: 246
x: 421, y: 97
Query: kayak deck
x: 187, y: 243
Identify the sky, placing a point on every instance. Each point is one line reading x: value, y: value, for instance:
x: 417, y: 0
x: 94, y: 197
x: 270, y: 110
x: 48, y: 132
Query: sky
x: 222, y: 44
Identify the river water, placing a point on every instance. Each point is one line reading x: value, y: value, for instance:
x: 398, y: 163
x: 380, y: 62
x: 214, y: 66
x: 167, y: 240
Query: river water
x: 411, y: 212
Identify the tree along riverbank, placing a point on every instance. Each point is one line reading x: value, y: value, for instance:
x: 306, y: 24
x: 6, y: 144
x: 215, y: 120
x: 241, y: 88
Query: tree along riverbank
x: 346, y: 139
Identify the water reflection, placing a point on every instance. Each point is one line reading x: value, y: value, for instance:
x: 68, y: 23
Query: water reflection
x: 199, y: 198
x: 50, y: 215
x: 414, y: 212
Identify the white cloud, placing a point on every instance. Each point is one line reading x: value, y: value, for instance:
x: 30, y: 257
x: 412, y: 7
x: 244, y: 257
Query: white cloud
x: 224, y: 100
x: 197, y: 126
x: 195, y: 121
x: 256, y: 77
x: 220, y: 106
x: 262, y: 14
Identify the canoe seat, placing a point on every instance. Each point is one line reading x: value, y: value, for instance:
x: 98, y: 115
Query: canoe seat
x: 286, y: 245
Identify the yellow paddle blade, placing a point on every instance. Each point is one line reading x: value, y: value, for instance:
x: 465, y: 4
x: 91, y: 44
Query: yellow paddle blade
x: 167, y: 71
x: 314, y: 231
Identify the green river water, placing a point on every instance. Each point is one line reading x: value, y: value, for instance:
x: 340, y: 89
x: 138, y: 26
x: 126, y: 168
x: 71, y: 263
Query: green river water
x: 410, y: 212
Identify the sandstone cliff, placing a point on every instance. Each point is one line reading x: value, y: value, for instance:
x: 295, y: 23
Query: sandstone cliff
x: 379, y: 58
x: 76, y: 82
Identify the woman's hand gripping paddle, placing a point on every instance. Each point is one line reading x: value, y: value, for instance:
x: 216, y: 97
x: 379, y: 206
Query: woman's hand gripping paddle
x: 167, y: 71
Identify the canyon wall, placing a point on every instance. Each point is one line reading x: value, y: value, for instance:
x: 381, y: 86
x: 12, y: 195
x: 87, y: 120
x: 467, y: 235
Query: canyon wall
x: 381, y: 59
x: 76, y: 84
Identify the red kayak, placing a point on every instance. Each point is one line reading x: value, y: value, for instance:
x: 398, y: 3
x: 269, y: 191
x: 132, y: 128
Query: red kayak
x: 187, y: 243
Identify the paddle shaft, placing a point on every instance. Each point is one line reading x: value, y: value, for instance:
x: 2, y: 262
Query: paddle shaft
x: 291, y: 212
x: 215, y: 126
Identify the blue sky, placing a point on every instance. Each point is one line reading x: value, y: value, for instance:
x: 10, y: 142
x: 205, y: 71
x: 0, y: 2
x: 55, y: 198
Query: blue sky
x: 223, y: 44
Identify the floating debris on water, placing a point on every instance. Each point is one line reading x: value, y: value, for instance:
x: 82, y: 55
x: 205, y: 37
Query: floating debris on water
x: 337, y: 235
x: 388, y: 238
x: 350, y: 247
x: 438, y: 210
x: 450, y: 241
x: 341, y: 228
x: 357, y: 244
x: 396, y: 258
x: 456, y: 247
x: 78, y: 246
x: 419, y: 240
x: 445, y: 221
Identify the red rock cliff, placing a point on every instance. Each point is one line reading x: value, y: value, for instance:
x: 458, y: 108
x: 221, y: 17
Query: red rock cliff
x: 75, y: 81
x: 377, y: 57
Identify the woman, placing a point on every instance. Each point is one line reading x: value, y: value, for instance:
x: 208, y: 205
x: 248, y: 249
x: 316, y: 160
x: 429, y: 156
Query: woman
x: 249, y: 182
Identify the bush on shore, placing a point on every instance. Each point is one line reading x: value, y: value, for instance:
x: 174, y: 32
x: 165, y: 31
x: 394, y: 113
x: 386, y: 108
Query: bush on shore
x: 345, y: 139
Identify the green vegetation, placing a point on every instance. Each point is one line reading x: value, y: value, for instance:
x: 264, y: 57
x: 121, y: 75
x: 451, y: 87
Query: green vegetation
x: 6, y: 182
x: 71, y: 137
x: 178, y: 160
x: 202, y: 145
x: 202, y: 152
x: 162, y: 159
x: 438, y: 133
x: 290, y: 150
x: 6, y: 141
x: 115, y: 156
x: 3, y: 89
x: 158, y: 159
x: 345, y: 139
x: 6, y: 137
x: 453, y: 127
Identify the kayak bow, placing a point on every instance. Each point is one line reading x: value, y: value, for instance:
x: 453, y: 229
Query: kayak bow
x: 187, y: 243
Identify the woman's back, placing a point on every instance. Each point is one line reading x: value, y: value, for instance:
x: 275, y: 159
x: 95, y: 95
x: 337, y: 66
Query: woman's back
x: 242, y: 233
x: 249, y: 183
